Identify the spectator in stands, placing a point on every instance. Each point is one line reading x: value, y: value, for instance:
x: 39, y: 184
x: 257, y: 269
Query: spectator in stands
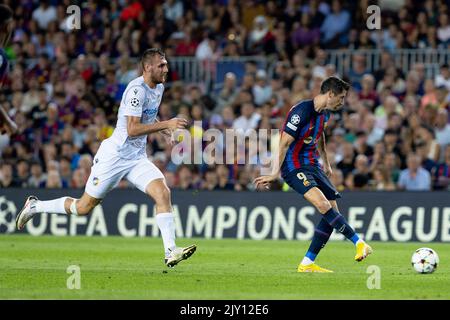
x: 38, y: 177
x: 443, y: 31
x: 228, y: 117
x: 85, y: 163
x: 79, y: 179
x: 441, y: 173
x: 347, y: 164
x: 6, y: 176
x: 228, y: 93
x: 424, y: 137
x: 429, y: 96
x: 390, y: 105
x: 249, y: 118
x: 299, y: 90
x: 391, y: 142
x: 414, y: 177
x: 184, y: 177
x: 368, y: 93
x: 44, y: 14
x: 375, y: 133
x: 335, y: 25
x: 426, y: 162
x: 443, y: 78
x: 443, y: 101
x: 383, y: 180
x: 132, y: 11
x: 337, y: 179
x: 53, y: 180
x: 65, y: 170
x: 22, y: 173
x: 442, y: 130
x: 243, y: 181
x: 262, y: 92
x: 361, y: 174
x: 357, y: 71
x: 173, y: 10
x: 206, y: 49
x: 260, y: 39
x: 304, y: 33
x: 211, y: 180
x: 223, y: 174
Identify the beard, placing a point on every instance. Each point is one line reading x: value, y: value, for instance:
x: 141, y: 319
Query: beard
x: 160, y: 79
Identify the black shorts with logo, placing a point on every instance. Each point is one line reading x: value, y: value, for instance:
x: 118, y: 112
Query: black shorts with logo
x: 307, y: 177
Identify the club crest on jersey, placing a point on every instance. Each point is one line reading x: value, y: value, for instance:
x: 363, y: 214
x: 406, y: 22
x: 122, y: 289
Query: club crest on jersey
x: 135, y: 91
x: 95, y: 181
x: 295, y: 119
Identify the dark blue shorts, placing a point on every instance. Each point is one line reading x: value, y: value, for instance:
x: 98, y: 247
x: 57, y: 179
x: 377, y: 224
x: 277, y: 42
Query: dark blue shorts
x: 307, y: 177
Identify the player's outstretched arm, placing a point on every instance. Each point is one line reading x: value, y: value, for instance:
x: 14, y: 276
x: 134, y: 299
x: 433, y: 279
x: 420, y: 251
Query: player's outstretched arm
x: 285, y: 141
x: 136, y: 128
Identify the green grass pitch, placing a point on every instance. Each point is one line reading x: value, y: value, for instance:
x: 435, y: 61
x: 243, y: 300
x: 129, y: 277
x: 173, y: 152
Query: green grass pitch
x: 132, y: 268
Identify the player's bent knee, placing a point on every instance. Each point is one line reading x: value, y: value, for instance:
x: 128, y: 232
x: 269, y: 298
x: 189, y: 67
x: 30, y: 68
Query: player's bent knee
x: 162, y: 197
x: 323, y: 206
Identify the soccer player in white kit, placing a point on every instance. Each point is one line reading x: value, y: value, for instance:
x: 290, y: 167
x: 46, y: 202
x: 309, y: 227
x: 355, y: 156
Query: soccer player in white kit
x: 123, y: 155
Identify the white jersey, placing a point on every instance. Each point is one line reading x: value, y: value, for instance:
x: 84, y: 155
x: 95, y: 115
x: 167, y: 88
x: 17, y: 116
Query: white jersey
x: 138, y: 100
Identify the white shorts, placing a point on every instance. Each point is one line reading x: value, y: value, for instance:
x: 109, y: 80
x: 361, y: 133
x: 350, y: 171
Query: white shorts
x: 108, y: 169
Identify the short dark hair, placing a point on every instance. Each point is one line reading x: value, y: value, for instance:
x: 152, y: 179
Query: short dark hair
x: 149, y: 54
x: 5, y: 13
x: 335, y: 85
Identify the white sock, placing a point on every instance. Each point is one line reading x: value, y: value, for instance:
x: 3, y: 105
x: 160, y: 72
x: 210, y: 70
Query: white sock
x: 359, y: 241
x: 51, y: 206
x: 166, y: 224
x: 307, y: 261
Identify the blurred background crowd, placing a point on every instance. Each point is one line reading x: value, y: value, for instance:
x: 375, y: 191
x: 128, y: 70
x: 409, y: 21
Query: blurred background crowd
x: 64, y: 86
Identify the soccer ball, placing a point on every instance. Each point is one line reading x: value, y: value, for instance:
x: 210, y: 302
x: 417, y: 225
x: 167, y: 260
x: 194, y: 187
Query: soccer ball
x: 425, y: 260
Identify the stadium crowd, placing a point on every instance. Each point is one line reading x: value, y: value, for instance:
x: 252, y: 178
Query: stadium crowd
x: 65, y: 86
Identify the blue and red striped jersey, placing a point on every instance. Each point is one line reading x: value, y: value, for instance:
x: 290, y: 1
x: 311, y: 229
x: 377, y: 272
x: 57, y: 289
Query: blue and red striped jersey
x: 306, y: 125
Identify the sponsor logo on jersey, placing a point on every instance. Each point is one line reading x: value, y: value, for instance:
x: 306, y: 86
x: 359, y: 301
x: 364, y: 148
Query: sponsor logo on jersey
x: 150, y: 112
x: 308, y: 140
x: 291, y: 126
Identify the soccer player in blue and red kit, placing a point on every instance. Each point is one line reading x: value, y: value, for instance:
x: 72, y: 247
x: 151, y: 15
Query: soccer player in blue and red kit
x: 301, y: 144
